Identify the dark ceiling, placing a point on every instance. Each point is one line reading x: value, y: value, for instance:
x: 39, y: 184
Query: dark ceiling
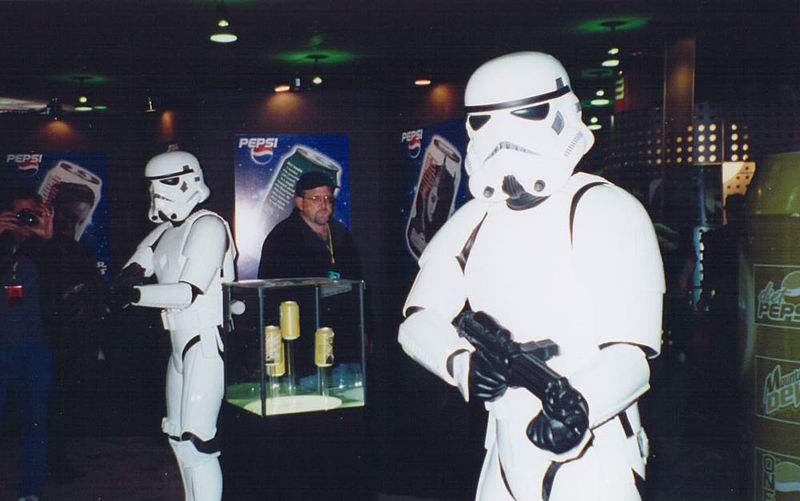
x: 119, y: 51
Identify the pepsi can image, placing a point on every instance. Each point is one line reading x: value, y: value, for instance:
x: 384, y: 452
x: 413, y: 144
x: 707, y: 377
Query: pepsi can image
x: 435, y: 193
x: 279, y: 200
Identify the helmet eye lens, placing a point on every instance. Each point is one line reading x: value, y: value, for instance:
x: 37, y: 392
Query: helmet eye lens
x: 170, y: 181
x: 538, y: 112
x: 478, y: 121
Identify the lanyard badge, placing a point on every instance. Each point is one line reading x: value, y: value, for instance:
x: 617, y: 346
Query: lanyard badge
x: 13, y: 294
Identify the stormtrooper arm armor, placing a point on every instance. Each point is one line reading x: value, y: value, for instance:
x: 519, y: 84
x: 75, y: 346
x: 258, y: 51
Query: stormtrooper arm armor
x: 427, y: 335
x: 437, y: 296
x: 612, y: 380
x: 616, y: 250
x: 203, y: 251
x: 143, y: 256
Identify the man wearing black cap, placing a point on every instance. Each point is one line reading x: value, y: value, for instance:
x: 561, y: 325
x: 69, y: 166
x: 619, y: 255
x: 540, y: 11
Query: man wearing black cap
x: 310, y: 243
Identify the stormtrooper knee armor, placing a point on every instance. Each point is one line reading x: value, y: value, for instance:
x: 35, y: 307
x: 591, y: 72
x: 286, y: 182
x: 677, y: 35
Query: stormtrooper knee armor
x: 191, y: 253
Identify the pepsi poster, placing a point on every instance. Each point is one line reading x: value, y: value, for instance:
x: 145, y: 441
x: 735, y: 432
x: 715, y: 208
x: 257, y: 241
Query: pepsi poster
x: 434, y: 180
x: 267, y: 168
x: 74, y: 184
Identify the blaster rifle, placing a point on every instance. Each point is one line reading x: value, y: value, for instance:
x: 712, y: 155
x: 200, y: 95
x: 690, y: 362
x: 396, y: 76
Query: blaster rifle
x: 524, y: 362
x: 564, y: 419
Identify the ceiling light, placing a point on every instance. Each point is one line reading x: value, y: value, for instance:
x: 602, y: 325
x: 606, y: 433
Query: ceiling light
x: 317, y: 78
x: 223, y: 32
x: 600, y: 101
x: 282, y: 88
x: 600, y: 93
x: 149, y: 105
x: 422, y: 82
x: 613, y: 51
x: 595, y: 126
x: 610, y: 63
x: 82, y: 106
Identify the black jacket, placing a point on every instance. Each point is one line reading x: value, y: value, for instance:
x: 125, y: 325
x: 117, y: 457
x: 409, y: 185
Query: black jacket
x: 292, y: 249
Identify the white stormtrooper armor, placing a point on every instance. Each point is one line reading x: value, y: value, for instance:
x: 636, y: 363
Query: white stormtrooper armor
x: 191, y: 255
x: 548, y: 254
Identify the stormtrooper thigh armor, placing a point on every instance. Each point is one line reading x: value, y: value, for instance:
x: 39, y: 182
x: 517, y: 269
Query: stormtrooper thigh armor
x: 194, y: 393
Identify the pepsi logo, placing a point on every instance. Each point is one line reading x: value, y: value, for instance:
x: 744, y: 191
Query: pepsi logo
x: 27, y: 164
x: 261, y: 154
x: 413, y: 138
x: 414, y: 147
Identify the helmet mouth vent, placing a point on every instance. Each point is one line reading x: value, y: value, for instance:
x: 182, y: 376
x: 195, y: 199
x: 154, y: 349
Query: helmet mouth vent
x: 518, y: 197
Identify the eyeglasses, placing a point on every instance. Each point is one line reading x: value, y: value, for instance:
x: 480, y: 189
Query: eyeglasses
x: 316, y: 199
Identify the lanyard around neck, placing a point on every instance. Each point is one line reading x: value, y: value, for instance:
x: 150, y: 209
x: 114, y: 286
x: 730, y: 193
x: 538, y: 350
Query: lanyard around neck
x: 330, y: 245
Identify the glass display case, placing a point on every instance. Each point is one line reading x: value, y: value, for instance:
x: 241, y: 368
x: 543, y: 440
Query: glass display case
x: 294, y: 345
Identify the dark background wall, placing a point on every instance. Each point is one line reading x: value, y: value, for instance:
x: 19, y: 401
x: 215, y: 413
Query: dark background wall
x: 407, y: 406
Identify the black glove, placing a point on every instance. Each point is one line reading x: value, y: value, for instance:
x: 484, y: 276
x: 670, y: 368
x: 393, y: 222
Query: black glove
x: 122, y: 291
x: 487, y: 378
x: 564, y: 418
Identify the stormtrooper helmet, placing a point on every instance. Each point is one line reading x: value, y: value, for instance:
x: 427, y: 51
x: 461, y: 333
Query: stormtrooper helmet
x: 524, y: 127
x: 176, y: 185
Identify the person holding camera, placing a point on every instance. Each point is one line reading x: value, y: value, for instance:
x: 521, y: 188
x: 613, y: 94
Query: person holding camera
x: 25, y: 355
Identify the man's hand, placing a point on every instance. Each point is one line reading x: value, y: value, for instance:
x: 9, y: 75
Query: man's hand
x: 8, y: 221
x: 563, y: 421
x: 44, y: 228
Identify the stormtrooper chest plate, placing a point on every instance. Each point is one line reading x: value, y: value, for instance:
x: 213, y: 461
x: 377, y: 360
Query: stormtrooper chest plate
x: 168, y: 259
x: 520, y: 271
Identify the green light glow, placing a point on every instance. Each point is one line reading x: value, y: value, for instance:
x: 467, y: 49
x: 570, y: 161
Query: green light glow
x: 596, y: 26
x: 83, y: 78
x: 101, y: 107
x: 595, y: 127
x: 332, y: 56
x: 594, y: 73
x: 600, y: 101
x: 610, y: 63
x: 83, y: 108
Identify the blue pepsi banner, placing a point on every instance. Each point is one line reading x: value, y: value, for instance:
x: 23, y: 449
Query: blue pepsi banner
x: 74, y: 184
x: 434, y: 181
x: 267, y: 169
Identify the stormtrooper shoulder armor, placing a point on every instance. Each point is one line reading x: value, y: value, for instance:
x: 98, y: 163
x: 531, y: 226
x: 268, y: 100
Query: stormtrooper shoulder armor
x: 450, y: 239
x: 439, y: 283
x: 617, y: 257
x: 204, y: 250
x: 144, y: 251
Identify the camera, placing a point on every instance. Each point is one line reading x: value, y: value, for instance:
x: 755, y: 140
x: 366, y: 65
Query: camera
x: 26, y: 217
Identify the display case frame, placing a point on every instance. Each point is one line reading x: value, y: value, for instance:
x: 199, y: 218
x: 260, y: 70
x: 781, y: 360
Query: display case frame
x: 250, y: 306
